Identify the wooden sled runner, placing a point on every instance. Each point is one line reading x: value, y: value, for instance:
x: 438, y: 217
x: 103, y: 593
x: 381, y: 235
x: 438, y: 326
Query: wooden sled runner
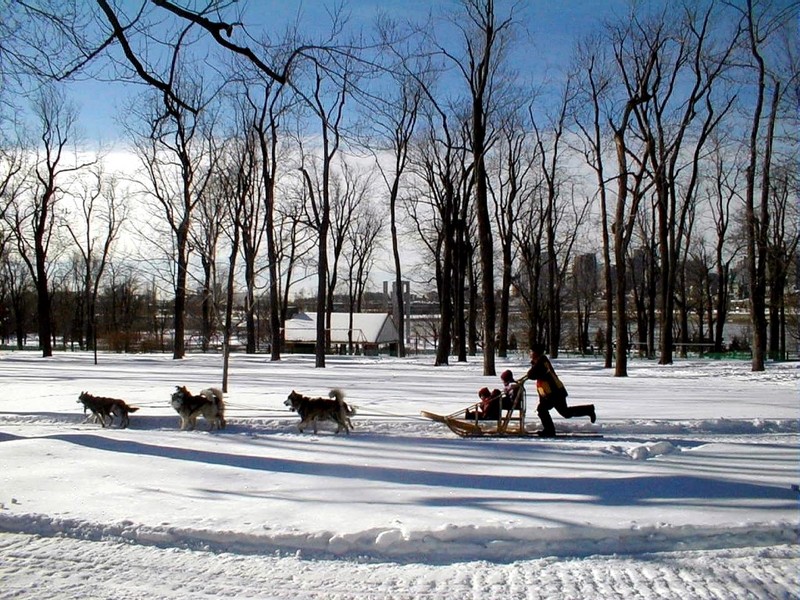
x: 466, y: 428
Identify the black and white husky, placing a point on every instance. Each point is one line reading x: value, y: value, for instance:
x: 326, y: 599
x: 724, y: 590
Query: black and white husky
x: 313, y: 410
x: 208, y: 403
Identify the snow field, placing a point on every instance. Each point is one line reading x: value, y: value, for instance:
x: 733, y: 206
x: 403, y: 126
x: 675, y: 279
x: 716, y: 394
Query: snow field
x: 687, y: 494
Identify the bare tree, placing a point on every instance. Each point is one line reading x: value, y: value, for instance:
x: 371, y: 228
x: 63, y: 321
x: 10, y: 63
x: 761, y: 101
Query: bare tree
x: 437, y: 209
x: 593, y: 90
x: 17, y: 283
x: 82, y: 38
x: 258, y: 109
x: 722, y: 193
x: 392, y: 118
x: 294, y: 244
x: 327, y: 101
x: 102, y: 213
x: 763, y: 23
x: 350, y: 189
x: 695, y: 297
x: 689, y: 283
x: 465, y: 294
x: 362, y: 242
x: 644, y: 275
x: 128, y: 309
x: 268, y: 111
x: 33, y: 215
x: 209, y: 220
x: 484, y: 35
x: 585, y: 281
x: 12, y: 170
x: 682, y: 98
x: 529, y: 280
x: 514, y: 158
x: 550, y: 155
x: 251, y: 223
x: 784, y: 231
x: 635, y: 59
x: 64, y: 38
x: 177, y: 155
x: 234, y: 182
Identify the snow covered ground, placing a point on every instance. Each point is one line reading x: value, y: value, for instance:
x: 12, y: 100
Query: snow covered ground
x: 687, y: 494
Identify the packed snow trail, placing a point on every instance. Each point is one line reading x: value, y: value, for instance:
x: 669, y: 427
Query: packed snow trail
x: 62, y: 569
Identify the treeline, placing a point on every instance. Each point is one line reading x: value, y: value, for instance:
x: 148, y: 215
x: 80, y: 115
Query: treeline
x: 132, y: 315
x: 667, y: 147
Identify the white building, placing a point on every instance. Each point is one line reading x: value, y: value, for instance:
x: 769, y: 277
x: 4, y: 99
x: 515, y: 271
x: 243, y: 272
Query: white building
x: 369, y: 333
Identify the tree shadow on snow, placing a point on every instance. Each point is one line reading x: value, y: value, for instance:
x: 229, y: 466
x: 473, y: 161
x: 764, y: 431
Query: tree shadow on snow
x: 628, y: 490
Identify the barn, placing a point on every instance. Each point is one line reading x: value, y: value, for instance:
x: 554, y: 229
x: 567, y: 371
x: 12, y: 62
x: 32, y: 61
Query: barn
x: 369, y: 333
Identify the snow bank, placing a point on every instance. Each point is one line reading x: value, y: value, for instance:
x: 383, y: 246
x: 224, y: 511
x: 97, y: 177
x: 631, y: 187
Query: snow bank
x: 448, y: 543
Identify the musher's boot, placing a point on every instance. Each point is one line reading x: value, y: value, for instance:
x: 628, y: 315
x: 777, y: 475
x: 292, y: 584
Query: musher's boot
x: 584, y: 410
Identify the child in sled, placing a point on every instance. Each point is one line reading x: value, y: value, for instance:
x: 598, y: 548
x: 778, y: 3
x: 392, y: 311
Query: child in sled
x: 510, y: 389
x: 488, y: 407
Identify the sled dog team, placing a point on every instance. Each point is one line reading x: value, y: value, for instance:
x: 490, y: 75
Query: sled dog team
x: 210, y: 405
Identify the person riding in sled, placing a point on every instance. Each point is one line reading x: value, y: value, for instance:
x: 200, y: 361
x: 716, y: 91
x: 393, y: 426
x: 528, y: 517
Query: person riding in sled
x: 488, y: 407
x: 552, y: 393
x: 510, y: 389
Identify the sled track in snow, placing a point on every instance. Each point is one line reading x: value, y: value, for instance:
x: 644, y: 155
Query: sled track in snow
x: 65, y: 569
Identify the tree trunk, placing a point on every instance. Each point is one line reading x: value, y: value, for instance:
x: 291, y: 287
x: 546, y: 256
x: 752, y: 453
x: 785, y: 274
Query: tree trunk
x: 399, y: 301
x: 207, y: 308
x: 487, y: 255
x: 322, y: 296
x: 445, y: 299
x: 250, y: 301
x: 43, y: 305
x: 667, y: 308
x: 229, y: 299
x: 756, y: 225
x: 179, y: 307
x: 505, y: 301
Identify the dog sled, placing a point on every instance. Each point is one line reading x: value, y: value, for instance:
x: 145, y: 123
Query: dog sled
x: 506, y: 418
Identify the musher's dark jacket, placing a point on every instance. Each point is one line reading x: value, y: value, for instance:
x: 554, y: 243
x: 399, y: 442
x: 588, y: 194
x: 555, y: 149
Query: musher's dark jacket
x: 547, y: 382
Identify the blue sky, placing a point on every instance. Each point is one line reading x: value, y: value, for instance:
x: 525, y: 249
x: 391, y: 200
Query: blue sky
x: 549, y: 29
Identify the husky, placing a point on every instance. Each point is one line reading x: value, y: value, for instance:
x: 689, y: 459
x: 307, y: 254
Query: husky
x: 207, y: 403
x: 105, y: 409
x: 313, y: 410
